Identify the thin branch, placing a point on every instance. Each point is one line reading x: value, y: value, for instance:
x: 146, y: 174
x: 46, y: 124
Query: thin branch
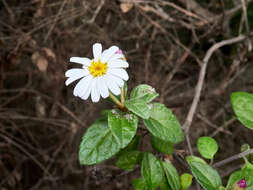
x: 202, y: 74
x: 232, y: 158
x: 55, y: 20
x: 244, y: 9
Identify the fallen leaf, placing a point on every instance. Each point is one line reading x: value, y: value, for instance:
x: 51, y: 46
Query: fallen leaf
x: 126, y: 7
x: 49, y: 53
x: 40, y: 61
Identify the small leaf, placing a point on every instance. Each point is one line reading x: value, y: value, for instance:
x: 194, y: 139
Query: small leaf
x: 242, y: 103
x: 127, y: 160
x: 145, y: 92
x: 234, y: 178
x: 245, y: 147
x: 139, y: 184
x: 161, y: 145
x: 139, y: 107
x: 164, y: 184
x: 98, y: 144
x: 207, y: 177
x: 195, y: 159
x: 172, y: 175
x: 222, y: 188
x: 123, y: 126
x: 163, y: 124
x: 185, y: 181
x: 151, y: 171
x: 207, y: 147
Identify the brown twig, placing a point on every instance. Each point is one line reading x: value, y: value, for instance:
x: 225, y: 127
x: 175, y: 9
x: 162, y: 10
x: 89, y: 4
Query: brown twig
x: 232, y: 158
x: 200, y: 83
x: 55, y: 20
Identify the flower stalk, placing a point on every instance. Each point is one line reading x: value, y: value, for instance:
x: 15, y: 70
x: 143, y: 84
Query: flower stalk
x: 122, y: 95
x: 116, y: 101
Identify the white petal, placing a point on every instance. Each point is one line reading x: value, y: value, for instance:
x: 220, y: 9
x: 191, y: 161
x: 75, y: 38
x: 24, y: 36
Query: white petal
x: 70, y: 80
x: 117, y: 63
x: 112, y: 85
x: 106, y: 55
x: 76, y: 72
x: 82, y: 60
x: 117, y: 80
x: 82, y: 86
x: 87, y: 92
x: 116, y: 56
x: 121, y: 73
x: 97, y: 51
x: 103, y: 89
x: 95, y: 96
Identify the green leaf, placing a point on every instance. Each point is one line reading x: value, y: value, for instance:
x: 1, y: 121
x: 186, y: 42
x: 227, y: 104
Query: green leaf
x: 161, y: 145
x: 185, y: 181
x: 123, y: 126
x: 222, y: 188
x: 164, y: 184
x: 242, y: 103
x: 172, y: 175
x: 207, y: 147
x: 133, y: 145
x: 207, y: 177
x: 145, y: 92
x: 151, y: 171
x: 98, y: 144
x: 139, y: 184
x: 127, y: 160
x: 163, y: 124
x: 234, y: 177
x: 247, y: 166
x: 195, y: 159
x: 139, y: 107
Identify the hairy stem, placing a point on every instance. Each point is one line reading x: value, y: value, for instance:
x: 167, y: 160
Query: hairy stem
x: 116, y: 101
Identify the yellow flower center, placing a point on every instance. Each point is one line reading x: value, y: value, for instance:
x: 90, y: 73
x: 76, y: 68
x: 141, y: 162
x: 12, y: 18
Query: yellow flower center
x: 97, y: 68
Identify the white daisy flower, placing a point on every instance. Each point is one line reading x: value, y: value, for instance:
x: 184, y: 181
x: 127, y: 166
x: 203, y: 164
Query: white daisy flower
x: 99, y: 76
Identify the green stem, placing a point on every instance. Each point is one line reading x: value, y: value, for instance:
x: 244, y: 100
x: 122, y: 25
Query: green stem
x: 122, y: 95
x: 116, y: 101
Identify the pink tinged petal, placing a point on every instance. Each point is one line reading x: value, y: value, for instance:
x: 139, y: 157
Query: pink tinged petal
x: 103, y: 89
x: 107, y: 54
x: 81, y: 60
x: 97, y: 51
x: 117, y: 63
x: 119, y: 51
x: 95, y: 96
x: 121, y: 73
x: 117, y: 80
x: 82, y: 86
x: 113, y: 87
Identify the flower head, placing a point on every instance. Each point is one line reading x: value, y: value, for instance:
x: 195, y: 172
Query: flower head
x: 242, y: 183
x: 99, y: 76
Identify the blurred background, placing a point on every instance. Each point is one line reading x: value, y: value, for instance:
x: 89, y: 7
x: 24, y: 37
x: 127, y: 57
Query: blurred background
x: 164, y: 41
